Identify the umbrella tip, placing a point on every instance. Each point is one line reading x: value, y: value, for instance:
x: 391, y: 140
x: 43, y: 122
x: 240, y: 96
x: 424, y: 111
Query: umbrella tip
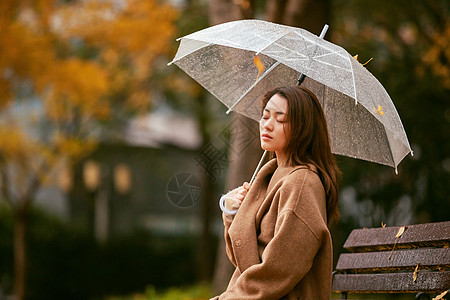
x: 324, y: 31
x: 170, y: 63
x: 412, y: 153
x: 228, y: 111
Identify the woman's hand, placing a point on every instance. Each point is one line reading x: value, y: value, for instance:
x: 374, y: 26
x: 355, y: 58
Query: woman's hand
x: 233, y: 199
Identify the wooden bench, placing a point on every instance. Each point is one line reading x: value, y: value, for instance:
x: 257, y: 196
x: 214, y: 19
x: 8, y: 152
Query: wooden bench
x: 380, y: 262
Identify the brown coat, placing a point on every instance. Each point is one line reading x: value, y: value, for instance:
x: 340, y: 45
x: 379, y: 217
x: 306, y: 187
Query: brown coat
x: 279, y: 241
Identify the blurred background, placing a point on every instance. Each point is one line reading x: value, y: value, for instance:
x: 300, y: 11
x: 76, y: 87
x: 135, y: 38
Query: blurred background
x: 112, y: 162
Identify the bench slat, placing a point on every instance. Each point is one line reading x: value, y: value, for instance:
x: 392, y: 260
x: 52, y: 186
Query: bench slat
x: 392, y: 282
x: 421, y: 235
x: 427, y: 258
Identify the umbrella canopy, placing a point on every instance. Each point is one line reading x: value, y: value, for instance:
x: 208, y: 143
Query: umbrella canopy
x: 362, y: 120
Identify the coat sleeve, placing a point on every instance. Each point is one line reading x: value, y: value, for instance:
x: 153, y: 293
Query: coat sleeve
x: 227, y: 220
x: 286, y: 259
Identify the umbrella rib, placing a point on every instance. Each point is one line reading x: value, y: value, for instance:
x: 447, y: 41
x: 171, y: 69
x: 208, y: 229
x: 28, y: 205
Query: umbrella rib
x: 300, y: 34
x: 331, y: 65
x: 353, y: 78
x: 272, y: 42
x: 189, y: 53
x: 252, y: 86
x: 327, y: 63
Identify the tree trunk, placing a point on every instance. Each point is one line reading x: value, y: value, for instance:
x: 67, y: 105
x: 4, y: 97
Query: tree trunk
x: 221, y: 11
x: 308, y: 14
x: 20, y: 225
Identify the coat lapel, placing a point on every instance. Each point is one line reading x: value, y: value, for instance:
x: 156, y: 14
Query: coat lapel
x: 243, y: 229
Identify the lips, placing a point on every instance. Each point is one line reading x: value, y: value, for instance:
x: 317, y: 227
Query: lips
x: 266, y: 137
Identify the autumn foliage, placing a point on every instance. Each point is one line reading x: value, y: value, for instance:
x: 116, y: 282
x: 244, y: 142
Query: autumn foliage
x: 67, y: 67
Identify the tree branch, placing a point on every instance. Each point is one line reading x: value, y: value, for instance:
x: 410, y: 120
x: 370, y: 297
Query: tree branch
x: 5, y: 187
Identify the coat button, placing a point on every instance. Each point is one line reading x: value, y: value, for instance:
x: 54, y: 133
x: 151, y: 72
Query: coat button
x: 238, y: 243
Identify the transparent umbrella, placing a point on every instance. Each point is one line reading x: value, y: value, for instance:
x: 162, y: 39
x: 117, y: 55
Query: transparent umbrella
x: 362, y: 120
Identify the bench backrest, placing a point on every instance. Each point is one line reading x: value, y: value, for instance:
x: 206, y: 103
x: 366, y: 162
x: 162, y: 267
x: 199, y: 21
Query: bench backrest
x: 418, y: 260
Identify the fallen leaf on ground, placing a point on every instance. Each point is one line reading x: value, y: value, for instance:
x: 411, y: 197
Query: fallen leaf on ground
x: 415, y: 273
x: 399, y: 234
x: 440, y: 296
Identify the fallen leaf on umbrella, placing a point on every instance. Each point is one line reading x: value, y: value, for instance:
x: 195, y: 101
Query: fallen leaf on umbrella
x: 356, y: 57
x: 259, y: 65
x: 383, y: 225
x: 380, y: 110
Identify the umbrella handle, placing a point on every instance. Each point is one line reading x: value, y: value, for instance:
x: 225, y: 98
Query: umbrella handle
x: 258, y: 166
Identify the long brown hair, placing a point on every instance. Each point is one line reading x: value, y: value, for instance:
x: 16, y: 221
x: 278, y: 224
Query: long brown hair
x: 308, y: 141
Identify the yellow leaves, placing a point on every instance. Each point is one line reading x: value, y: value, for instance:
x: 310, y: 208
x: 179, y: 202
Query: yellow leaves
x: 183, y: 85
x: 5, y: 92
x: 441, y: 296
x: 75, y: 148
x: 383, y: 225
x: 244, y: 4
x: 13, y: 142
x: 139, y: 101
x: 76, y: 84
x: 25, y: 53
x: 401, y: 230
x: 139, y: 29
x: 129, y: 36
x: 415, y: 273
x: 356, y: 57
x: 259, y: 65
x: 438, y: 56
x: 380, y: 110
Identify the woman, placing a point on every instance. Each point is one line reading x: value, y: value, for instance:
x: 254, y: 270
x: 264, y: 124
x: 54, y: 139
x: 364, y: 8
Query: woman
x: 279, y: 240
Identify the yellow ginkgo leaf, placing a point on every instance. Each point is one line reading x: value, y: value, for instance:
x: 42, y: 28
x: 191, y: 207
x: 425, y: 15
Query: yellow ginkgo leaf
x: 438, y: 297
x: 259, y: 65
x: 400, y: 232
x: 380, y: 110
x: 415, y: 273
x: 383, y: 225
x: 356, y: 57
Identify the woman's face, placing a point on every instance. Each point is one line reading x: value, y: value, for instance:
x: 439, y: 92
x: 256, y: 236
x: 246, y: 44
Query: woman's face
x: 272, y: 126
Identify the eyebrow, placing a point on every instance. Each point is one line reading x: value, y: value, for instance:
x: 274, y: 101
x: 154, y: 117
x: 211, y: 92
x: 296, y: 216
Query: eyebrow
x: 276, y: 112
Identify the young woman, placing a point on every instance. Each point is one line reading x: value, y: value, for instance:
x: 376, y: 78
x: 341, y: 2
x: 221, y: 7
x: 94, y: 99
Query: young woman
x: 279, y: 240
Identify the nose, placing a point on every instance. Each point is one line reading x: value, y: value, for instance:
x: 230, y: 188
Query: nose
x: 267, y: 124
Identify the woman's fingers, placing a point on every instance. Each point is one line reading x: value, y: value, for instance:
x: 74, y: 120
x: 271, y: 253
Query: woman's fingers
x: 235, y: 205
x: 246, y: 186
x: 234, y: 201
